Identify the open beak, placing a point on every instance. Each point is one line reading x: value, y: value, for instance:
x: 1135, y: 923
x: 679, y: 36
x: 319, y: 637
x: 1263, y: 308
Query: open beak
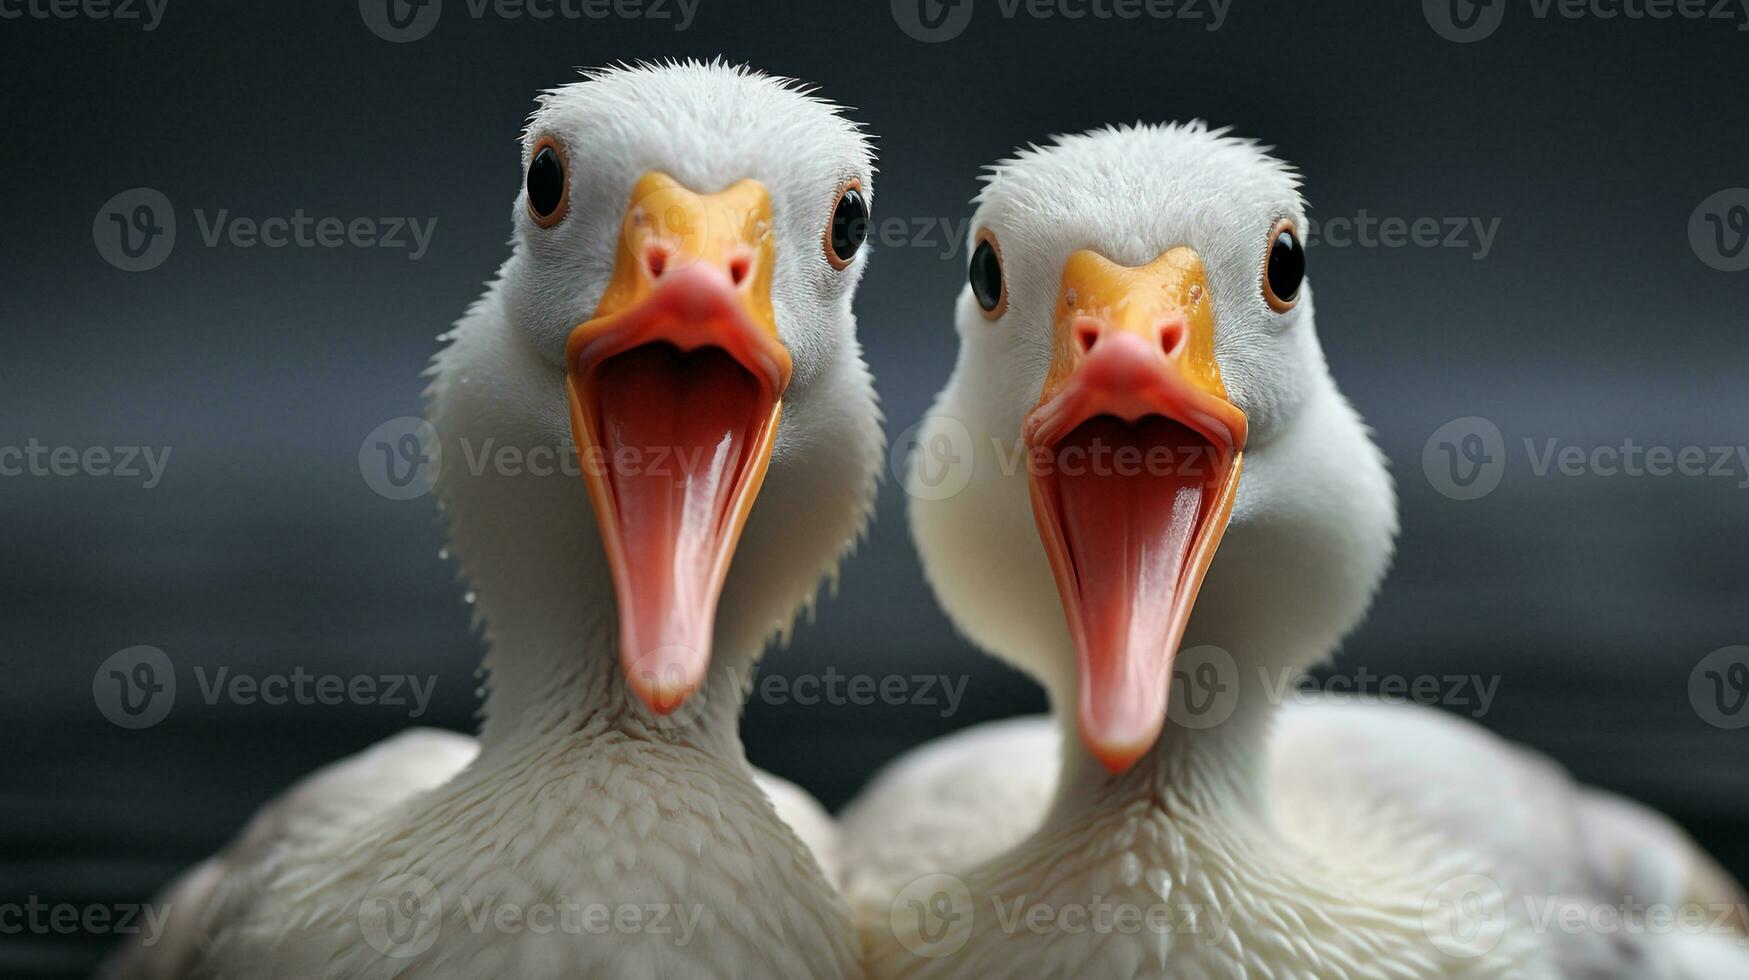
x: 675, y: 386
x: 1135, y: 454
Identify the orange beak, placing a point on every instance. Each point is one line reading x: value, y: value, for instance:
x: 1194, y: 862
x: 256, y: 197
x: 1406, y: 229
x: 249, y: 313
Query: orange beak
x: 1136, y: 452
x: 676, y: 385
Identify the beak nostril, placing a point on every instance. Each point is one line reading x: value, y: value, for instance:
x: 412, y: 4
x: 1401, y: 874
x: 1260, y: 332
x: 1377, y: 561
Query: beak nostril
x: 1172, y: 334
x: 739, y: 268
x: 657, y: 260
x: 1086, y: 335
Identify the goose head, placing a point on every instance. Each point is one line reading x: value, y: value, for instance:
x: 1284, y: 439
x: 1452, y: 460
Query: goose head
x: 676, y: 311
x: 1159, y: 458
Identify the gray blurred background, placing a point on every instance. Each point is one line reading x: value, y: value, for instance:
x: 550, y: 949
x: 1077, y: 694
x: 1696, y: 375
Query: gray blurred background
x: 1586, y: 144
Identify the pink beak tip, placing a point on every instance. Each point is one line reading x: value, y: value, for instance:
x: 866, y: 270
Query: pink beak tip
x: 1118, y: 743
x: 664, y: 679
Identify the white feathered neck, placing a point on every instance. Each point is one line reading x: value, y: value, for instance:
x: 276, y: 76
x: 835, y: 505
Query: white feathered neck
x: 528, y: 546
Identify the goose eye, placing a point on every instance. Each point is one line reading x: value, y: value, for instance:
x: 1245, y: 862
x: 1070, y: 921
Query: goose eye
x: 548, y: 191
x: 1285, y: 270
x: 849, y: 227
x: 986, y: 276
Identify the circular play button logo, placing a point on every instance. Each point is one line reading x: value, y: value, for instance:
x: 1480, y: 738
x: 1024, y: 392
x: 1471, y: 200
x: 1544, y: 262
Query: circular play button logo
x: 400, y: 21
x: 932, y: 21
x: 1464, y: 21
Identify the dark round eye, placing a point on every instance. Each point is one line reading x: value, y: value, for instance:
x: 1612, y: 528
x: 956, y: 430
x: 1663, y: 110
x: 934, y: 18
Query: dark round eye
x: 548, y: 192
x: 986, y: 276
x: 1286, y: 268
x: 849, y: 227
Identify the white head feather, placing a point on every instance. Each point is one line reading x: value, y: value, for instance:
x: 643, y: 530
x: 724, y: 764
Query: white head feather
x: 1315, y: 516
x: 528, y: 544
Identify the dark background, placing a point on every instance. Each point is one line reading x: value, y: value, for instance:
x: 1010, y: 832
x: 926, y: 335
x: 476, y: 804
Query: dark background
x: 1592, y: 320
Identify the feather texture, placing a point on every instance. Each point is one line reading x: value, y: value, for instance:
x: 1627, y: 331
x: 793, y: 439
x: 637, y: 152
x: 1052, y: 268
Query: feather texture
x: 583, y: 835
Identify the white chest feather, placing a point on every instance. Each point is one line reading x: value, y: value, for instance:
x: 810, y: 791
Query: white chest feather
x: 1180, y: 869
x: 1136, y: 894
x: 595, y: 856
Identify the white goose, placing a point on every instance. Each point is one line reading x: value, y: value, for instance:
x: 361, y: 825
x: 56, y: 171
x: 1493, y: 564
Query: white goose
x: 687, y: 244
x: 1136, y: 297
